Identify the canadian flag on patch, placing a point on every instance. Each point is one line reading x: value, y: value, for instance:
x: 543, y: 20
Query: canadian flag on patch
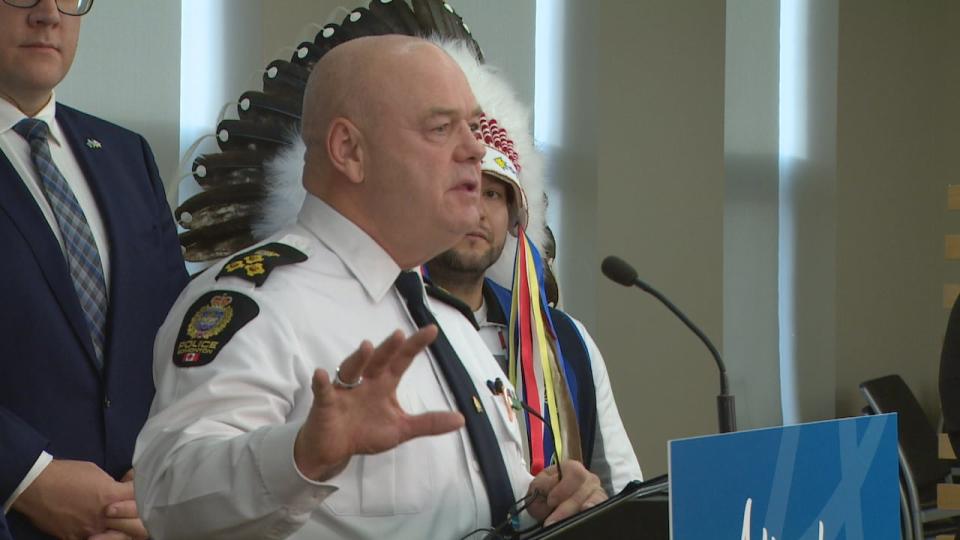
x: 191, y: 357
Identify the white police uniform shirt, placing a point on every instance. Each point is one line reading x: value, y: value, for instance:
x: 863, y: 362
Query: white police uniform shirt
x: 215, y: 458
x: 614, y: 460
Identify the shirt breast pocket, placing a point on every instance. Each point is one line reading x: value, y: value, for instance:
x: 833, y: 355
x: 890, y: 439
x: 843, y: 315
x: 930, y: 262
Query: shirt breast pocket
x: 395, y: 482
x: 386, y: 484
x: 505, y: 421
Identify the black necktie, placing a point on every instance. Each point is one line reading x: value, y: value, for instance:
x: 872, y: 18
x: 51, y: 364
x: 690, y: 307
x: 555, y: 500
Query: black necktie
x: 482, y: 437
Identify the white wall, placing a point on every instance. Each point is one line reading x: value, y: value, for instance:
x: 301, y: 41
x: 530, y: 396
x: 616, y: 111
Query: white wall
x: 127, y: 71
x: 504, y: 29
x: 566, y: 131
x: 221, y: 46
x: 808, y: 210
x: 219, y: 59
x: 750, y: 220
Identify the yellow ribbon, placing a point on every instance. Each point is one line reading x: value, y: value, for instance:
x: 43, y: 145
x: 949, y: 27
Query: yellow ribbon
x: 541, y: 333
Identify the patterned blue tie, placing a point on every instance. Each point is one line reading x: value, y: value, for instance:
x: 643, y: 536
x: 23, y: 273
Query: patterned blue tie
x: 80, y: 249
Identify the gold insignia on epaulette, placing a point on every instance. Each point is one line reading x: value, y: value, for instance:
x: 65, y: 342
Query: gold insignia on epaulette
x: 252, y: 265
x: 255, y: 265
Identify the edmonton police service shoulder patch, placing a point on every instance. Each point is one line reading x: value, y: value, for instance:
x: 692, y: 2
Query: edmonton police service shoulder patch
x: 255, y: 265
x: 209, y: 324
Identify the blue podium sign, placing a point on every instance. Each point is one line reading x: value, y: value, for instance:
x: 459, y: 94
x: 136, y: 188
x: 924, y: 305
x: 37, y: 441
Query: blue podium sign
x: 833, y: 480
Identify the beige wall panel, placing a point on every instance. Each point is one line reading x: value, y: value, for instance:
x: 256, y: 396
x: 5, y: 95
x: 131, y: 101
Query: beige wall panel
x: 660, y: 206
x: 897, y: 140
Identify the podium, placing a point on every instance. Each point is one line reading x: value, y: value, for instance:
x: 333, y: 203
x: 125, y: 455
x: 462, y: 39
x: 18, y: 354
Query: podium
x: 822, y: 480
x: 816, y: 481
x: 640, y: 511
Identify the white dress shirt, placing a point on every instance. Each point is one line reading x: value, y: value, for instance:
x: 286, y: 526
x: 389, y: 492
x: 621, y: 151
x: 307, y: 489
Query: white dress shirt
x: 17, y: 151
x: 215, y: 458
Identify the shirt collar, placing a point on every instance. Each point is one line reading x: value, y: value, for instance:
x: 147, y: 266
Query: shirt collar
x: 10, y: 115
x: 481, y: 313
x: 364, y: 258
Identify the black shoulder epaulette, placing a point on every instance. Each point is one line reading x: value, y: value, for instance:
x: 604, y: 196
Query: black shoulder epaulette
x: 255, y: 265
x: 209, y: 324
x: 452, y: 301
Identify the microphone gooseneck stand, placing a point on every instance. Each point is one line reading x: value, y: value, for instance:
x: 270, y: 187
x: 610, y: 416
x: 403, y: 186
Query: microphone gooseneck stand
x: 619, y: 271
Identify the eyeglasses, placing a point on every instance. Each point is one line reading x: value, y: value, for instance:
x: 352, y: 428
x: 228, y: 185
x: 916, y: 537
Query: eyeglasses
x: 67, y: 7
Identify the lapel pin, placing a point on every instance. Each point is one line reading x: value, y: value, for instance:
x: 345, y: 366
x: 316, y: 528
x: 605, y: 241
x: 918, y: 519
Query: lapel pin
x: 94, y: 144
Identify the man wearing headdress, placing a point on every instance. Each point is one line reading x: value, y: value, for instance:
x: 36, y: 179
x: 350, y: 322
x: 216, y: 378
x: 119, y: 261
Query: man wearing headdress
x: 551, y: 362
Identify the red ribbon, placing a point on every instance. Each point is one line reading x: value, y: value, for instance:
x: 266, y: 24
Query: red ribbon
x: 529, y: 375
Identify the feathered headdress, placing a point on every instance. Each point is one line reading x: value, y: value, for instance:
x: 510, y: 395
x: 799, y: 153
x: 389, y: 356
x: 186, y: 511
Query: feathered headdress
x: 505, y: 113
x: 251, y: 187
x: 536, y: 366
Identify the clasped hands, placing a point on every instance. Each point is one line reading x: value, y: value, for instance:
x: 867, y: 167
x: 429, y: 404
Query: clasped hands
x: 76, y: 500
x: 348, y: 419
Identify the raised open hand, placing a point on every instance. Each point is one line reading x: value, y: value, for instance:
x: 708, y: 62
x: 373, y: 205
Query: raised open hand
x: 363, y: 416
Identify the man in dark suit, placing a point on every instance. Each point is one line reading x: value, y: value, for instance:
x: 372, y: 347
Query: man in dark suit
x: 90, y: 267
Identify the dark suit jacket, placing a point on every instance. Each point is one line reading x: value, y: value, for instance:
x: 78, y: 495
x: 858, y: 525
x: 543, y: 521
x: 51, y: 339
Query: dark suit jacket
x: 52, y: 396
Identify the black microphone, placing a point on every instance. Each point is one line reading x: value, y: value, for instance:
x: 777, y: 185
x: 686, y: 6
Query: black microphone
x: 620, y: 271
x: 498, y: 389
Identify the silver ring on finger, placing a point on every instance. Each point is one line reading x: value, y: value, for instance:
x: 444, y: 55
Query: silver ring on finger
x: 340, y: 383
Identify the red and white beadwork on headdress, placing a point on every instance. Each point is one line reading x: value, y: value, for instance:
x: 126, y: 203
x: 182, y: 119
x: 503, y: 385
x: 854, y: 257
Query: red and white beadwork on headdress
x: 502, y: 161
x: 509, y: 118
